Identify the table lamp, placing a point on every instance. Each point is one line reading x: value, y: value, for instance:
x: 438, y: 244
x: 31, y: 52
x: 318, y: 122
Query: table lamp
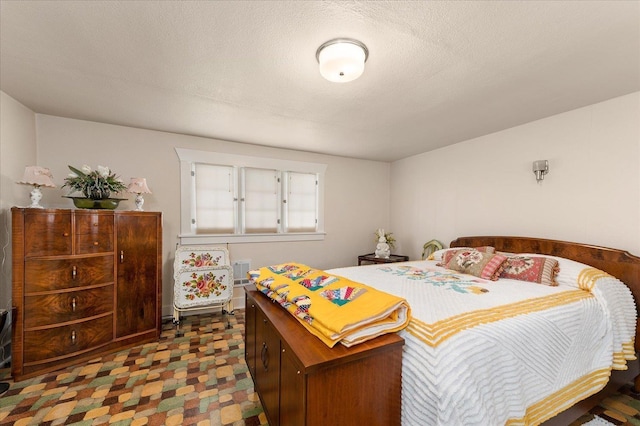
x: 138, y: 186
x: 37, y: 176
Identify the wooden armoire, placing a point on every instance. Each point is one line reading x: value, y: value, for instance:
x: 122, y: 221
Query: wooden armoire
x: 85, y: 283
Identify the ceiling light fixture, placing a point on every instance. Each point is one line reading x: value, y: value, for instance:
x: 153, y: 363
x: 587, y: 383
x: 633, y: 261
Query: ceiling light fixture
x: 342, y: 59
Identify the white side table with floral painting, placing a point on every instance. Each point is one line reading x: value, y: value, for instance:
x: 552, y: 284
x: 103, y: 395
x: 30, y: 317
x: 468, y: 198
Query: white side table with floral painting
x: 203, y: 278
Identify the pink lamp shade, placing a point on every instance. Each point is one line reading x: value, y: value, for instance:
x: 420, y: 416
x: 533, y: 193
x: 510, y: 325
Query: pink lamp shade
x: 37, y: 176
x: 138, y: 186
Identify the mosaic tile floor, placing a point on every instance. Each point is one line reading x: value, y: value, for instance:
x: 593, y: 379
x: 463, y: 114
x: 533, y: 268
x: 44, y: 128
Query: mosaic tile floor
x: 194, y: 375
x: 620, y: 409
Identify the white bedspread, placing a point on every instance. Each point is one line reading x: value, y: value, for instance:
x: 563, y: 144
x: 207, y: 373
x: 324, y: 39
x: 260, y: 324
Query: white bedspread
x: 481, y: 352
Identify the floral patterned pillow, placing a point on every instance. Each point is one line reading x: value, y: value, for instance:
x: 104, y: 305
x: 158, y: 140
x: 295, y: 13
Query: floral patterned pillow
x: 541, y: 270
x: 449, y: 253
x: 476, y: 263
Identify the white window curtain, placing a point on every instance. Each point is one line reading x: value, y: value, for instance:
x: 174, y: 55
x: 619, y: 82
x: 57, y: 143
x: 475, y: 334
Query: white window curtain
x: 228, y: 198
x: 215, y: 199
x: 260, y: 200
x: 301, y: 206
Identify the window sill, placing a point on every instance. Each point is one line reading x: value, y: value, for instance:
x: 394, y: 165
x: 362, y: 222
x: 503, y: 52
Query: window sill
x: 187, y: 239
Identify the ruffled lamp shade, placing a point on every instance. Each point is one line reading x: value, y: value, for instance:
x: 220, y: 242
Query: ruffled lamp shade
x: 138, y: 186
x: 37, y: 176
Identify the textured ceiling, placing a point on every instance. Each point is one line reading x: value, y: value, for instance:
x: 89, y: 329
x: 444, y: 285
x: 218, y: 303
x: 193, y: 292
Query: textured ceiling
x: 438, y: 72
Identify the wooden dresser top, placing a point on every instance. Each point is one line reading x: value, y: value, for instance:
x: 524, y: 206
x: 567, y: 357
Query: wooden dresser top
x: 311, y: 351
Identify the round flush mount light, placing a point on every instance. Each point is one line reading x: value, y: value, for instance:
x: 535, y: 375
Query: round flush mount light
x: 342, y: 59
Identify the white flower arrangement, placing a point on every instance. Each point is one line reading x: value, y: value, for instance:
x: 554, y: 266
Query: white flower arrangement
x: 95, y: 184
x: 388, y: 236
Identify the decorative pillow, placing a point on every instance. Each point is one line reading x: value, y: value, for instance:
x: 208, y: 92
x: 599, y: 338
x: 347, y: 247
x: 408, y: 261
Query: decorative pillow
x: 449, y: 253
x: 437, y: 255
x: 477, y: 263
x: 535, y: 269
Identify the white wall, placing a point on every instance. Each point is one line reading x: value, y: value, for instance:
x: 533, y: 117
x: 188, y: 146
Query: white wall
x: 485, y: 186
x: 481, y: 186
x: 356, y: 191
x: 17, y: 150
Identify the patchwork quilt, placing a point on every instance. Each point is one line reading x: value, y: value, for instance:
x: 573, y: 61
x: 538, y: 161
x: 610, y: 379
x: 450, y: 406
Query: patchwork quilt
x: 332, y: 308
x: 480, y: 352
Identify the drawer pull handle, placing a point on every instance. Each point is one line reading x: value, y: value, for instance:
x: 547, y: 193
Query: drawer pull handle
x: 264, y: 320
x: 73, y: 304
x: 95, y: 224
x: 74, y: 272
x: 121, y: 256
x: 264, y: 356
x: 95, y: 243
x: 65, y: 234
x: 73, y: 337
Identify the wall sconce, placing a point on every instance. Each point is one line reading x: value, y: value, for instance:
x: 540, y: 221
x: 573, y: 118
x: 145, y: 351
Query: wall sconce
x: 37, y: 176
x: 540, y: 168
x: 342, y: 59
x: 138, y: 186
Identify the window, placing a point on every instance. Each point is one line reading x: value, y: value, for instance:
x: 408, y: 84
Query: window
x: 260, y: 201
x: 216, y: 204
x: 235, y: 198
x: 301, y: 202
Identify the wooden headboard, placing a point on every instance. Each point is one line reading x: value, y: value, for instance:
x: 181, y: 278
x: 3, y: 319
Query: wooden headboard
x: 619, y: 263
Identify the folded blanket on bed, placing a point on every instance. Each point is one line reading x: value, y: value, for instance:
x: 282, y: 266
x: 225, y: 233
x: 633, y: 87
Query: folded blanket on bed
x: 331, y: 307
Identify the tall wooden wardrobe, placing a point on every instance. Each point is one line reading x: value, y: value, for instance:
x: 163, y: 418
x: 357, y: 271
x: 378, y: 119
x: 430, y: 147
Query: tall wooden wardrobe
x: 85, y: 283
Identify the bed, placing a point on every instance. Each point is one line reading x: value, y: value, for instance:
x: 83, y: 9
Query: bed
x: 534, y: 351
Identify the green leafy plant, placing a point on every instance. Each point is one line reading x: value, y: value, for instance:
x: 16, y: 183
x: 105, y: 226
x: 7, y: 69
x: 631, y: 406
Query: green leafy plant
x: 95, y: 184
x: 388, y: 236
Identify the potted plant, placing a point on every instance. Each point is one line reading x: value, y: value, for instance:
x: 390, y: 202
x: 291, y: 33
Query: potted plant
x: 96, y: 186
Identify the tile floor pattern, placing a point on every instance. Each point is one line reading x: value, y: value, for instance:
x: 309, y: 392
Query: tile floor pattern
x: 620, y: 409
x: 194, y: 375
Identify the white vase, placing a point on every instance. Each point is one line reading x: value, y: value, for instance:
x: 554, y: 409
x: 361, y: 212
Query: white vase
x: 382, y: 250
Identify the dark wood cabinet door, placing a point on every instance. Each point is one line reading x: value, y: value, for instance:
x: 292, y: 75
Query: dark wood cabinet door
x: 268, y: 367
x: 138, y: 252
x: 250, y: 334
x: 292, y: 390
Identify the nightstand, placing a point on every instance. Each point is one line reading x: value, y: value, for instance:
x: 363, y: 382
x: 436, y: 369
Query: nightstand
x: 371, y: 258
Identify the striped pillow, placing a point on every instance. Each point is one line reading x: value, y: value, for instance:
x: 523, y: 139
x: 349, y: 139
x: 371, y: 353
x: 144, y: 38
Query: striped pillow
x: 476, y: 263
x: 535, y: 269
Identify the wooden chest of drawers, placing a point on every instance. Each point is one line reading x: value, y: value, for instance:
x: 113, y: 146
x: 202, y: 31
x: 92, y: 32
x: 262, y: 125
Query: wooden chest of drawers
x: 80, y: 288
x: 302, y: 382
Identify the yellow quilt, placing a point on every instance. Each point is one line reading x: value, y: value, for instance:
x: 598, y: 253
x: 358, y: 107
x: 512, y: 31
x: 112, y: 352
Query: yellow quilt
x: 331, y: 307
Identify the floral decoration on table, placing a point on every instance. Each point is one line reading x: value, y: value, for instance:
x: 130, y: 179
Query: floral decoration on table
x: 200, y: 260
x: 96, y: 184
x: 388, y: 236
x: 204, y: 285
